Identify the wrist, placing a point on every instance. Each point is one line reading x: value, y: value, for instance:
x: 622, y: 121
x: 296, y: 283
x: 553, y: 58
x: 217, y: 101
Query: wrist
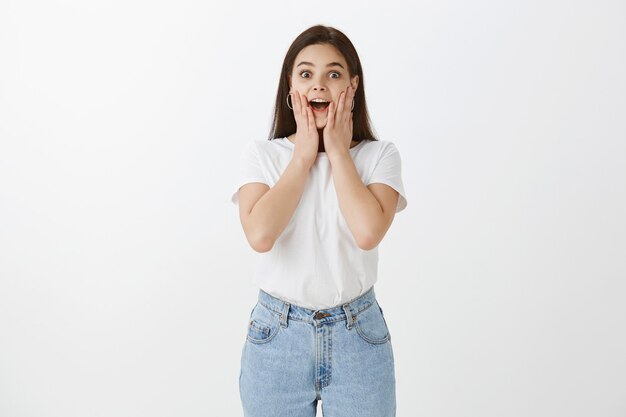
x: 301, y: 163
x: 338, y: 155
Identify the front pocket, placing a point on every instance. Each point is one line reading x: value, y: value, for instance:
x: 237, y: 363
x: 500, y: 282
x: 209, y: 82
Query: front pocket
x: 262, y: 325
x: 371, y: 326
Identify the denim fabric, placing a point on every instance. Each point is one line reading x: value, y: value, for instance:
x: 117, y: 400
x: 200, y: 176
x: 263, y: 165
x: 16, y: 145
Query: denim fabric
x: 294, y: 357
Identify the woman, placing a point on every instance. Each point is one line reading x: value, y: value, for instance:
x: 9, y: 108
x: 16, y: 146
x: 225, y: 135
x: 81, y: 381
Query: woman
x: 316, y: 200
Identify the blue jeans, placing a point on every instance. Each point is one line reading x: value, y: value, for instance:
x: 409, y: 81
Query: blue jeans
x: 294, y: 356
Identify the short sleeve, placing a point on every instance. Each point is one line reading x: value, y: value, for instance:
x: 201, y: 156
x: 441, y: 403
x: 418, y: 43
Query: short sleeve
x: 250, y: 169
x: 388, y: 170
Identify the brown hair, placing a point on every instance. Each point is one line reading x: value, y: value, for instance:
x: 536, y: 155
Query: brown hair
x: 284, y: 123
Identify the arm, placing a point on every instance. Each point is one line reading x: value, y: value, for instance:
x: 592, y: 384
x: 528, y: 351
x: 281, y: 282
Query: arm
x: 369, y: 211
x: 265, y: 212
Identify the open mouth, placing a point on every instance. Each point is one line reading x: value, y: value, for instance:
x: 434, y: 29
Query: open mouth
x: 319, y: 105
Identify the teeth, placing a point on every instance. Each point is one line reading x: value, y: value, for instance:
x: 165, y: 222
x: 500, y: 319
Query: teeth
x: 319, y: 100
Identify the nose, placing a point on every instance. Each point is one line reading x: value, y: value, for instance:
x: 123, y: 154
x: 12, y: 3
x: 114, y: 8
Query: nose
x: 319, y: 85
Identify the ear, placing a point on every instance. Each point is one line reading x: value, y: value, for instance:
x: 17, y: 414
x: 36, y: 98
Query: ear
x: 354, y: 82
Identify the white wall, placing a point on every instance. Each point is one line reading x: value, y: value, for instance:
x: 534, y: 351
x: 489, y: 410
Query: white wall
x: 124, y: 273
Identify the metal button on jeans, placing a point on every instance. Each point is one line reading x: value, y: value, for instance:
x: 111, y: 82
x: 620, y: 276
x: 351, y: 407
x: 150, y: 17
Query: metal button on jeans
x: 320, y: 315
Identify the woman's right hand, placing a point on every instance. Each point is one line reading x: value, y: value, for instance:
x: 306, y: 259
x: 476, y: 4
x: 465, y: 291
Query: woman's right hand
x: 307, y: 138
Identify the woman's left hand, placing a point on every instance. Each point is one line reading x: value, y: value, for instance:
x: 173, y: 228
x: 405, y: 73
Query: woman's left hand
x: 338, y: 129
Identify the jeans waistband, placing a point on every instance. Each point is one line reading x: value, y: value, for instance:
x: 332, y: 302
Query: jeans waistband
x: 346, y: 311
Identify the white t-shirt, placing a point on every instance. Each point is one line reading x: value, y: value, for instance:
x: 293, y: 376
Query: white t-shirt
x: 315, y: 262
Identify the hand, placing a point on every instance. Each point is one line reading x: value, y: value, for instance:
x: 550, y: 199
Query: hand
x: 338, y: 129
x: 307, y: 139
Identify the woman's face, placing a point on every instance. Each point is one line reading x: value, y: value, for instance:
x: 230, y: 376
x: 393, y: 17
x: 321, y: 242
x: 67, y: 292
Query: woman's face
x: 320, y: 71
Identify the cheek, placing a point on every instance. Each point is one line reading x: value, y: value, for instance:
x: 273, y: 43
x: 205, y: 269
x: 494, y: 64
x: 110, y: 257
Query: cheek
x: 300, y: 92
x: 296, y: 86
x: 337, y: 95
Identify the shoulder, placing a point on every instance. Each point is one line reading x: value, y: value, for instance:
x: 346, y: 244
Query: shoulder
x: 379, y: 148
x: 266, y: 146
x: 387, y: 145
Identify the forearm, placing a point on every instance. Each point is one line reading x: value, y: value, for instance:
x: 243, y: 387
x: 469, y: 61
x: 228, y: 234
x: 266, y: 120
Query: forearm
x: 361, y: 210
x: 273, y: 211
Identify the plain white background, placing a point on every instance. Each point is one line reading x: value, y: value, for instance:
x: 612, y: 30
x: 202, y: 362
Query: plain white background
x: 125, y: 276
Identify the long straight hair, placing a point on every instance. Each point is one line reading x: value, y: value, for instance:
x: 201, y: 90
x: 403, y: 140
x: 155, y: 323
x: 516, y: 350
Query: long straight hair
x: 284, y: 123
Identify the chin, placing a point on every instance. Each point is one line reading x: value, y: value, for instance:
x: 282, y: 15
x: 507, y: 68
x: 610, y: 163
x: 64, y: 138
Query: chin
x: 321, y: 124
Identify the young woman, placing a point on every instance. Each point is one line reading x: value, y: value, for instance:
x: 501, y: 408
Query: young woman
x: 315, y: 200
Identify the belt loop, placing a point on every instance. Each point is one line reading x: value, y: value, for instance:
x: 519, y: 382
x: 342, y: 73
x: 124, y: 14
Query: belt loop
x: 284, y: 315
x: 349, y: 317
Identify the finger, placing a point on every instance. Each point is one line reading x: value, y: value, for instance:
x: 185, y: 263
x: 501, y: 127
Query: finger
x: 331, y: 115
x: 305, y: 104
x: 306, y: 111
x: 295, y: 100
x: 311, y: 119
x: 297, y: 105
x: 351, y: 99
x: 341, y: 105
x: 348, y: 102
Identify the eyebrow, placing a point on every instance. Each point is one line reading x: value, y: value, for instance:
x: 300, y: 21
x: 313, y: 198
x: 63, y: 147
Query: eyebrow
x: 332, y: 64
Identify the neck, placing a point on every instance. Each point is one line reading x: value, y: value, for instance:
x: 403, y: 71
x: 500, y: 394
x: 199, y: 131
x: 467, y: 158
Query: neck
x: 320, y: 133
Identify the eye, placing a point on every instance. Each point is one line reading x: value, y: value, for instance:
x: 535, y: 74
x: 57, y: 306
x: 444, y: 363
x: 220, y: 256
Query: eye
x: 338, y: 74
